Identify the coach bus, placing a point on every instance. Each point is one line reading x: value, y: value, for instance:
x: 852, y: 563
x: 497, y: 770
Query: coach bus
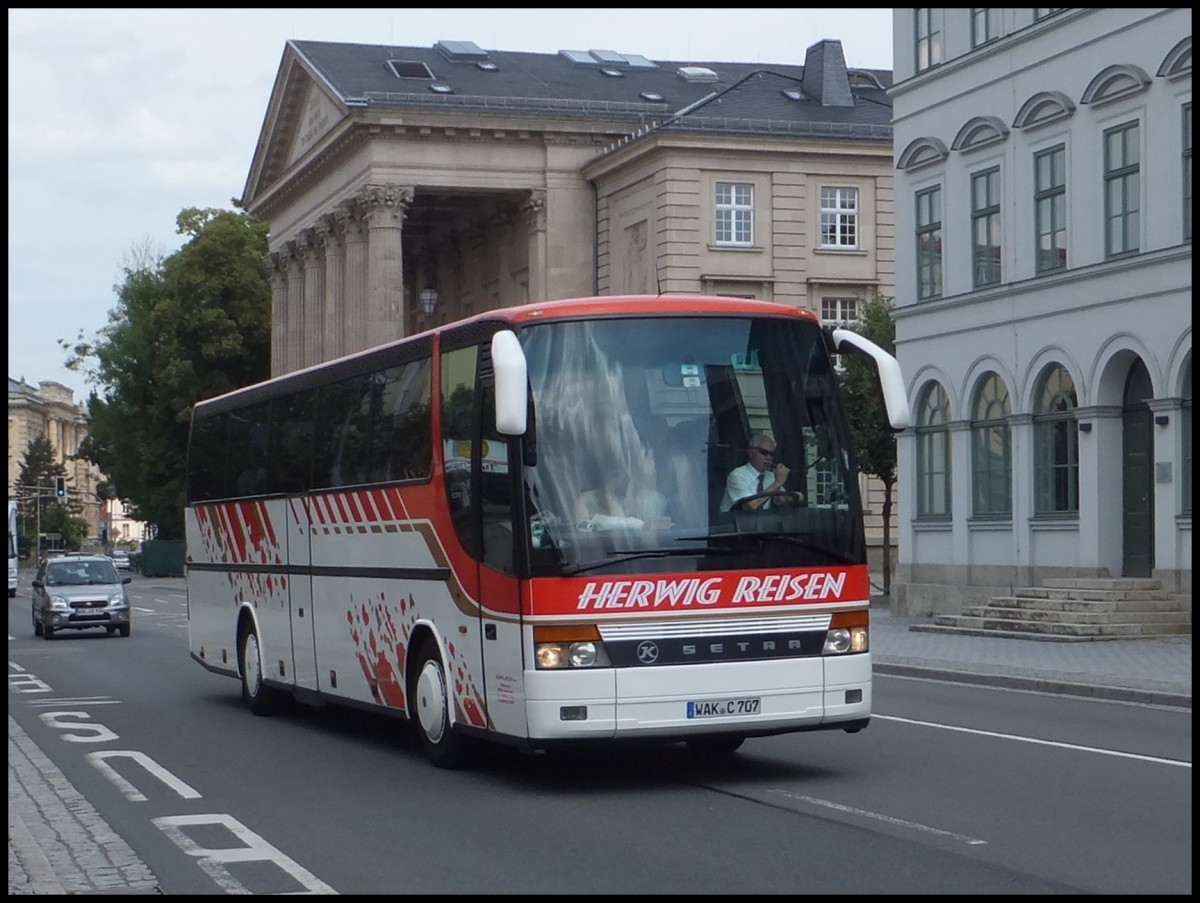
x: 401, y: 530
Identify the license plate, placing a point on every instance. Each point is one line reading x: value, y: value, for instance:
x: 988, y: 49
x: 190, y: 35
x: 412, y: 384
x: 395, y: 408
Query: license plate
x: 716, y: 708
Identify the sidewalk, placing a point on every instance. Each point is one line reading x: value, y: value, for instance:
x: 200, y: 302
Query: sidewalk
x: 58, y: 844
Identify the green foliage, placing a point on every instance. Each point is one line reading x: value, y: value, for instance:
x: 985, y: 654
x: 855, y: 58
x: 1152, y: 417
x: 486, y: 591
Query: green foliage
x: 185, y: 328
x: 874, y: 441
x: 39, y: 467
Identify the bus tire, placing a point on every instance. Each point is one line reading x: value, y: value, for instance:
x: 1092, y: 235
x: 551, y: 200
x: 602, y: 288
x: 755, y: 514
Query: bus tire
x: 431, y: 700
x: 261, y: 699
x: 716, y: 745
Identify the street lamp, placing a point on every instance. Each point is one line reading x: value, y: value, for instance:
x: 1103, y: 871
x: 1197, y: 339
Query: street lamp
x: 429, y: 298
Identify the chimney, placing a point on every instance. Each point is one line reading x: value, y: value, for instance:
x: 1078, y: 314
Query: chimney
x: 825, y: 77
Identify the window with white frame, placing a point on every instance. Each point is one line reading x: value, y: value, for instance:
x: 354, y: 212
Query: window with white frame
x: 991, y: 450
x: 985, y: 227
x: 929, y: 243
x: 1056, y: 444
x: 842, y: 311
x: 985, y: 25
x: 933, y: 453
x: 734, y: 206
x: 1050, y: 208
x: 839, y: 217
x: 929, y: 39
x: 1122, y: 190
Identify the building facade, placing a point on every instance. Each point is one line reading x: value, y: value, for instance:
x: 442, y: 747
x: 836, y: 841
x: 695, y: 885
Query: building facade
x: 412, y: 186
x: 1043, y: 312
x: 49, y: 410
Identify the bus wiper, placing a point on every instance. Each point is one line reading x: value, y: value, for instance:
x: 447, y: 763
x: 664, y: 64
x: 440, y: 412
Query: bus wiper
x: 790, y: 538
x: 630, y: 555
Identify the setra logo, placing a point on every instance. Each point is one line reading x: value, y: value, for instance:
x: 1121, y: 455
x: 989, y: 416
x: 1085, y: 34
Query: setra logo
x: 647, y: 652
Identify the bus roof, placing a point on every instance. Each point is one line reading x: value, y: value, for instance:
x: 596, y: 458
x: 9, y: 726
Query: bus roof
x: 565, y: 309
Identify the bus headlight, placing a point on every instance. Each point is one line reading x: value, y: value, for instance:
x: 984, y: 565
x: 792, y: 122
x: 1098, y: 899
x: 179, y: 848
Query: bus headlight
x: 848, y: 633
x: 568, y: 647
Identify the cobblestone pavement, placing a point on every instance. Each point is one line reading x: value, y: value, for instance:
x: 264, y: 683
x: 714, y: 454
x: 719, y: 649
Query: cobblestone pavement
x: 58, y: 843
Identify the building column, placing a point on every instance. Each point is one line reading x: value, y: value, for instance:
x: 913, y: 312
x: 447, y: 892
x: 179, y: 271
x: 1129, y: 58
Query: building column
x: 534, y: 208
x: 385, y: 207
x: 293, y: 350
x: 314, y: 298
x: 329, y: 231
x: 354, y: 319
x: 278, y: 312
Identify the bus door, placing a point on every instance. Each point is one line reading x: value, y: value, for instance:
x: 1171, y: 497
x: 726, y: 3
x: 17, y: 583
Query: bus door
x: 480, y: 479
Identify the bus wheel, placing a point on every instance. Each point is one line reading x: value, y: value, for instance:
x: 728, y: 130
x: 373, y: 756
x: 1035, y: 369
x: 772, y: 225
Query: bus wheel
x: 717, y: 745
x: 443, y: 747
x: 261, y: 699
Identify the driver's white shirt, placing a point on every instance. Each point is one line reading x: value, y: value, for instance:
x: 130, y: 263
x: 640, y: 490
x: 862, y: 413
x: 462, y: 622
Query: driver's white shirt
x: 743, y: 482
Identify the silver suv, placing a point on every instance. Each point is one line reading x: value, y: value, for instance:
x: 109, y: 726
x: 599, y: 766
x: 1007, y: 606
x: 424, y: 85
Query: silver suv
x: 71, y: 592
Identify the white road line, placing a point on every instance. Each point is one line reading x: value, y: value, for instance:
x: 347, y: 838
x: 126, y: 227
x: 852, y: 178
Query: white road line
x: 865, y: 813
x: 1034, y: 740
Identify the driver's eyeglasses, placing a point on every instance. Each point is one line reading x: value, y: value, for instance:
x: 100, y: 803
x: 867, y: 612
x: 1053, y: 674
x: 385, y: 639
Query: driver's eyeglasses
x: 765, y: 452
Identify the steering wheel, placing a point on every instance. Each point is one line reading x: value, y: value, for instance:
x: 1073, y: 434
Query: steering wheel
x: 787, y: 499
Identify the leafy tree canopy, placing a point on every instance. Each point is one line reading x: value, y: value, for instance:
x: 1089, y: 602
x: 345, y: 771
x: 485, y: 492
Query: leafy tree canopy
x: 874, y: 441
x: 188, y: 327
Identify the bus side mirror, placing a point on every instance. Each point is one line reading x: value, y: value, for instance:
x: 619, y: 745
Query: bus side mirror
x: 508, y: 364
x: 890, y: 379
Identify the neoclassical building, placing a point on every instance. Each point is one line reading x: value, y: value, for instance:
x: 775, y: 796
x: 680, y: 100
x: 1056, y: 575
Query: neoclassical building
x: 1044, y: 298
x: 49, y: 410
x: 411, y: 186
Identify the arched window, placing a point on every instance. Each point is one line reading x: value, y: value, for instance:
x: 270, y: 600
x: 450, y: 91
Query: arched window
x: 991, y: 449
x: 933, y: 453
x: 1056, y: 444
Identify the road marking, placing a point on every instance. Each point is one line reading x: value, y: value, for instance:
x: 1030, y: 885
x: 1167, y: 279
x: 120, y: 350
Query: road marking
x: 891, y: 820
x: 78, y: 700
x: 131, y: 793
x: 1092, y: 749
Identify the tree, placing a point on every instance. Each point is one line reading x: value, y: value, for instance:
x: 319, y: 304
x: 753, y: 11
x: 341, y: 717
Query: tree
x: 190, y: 326
x: 35, y: 490
x: 874, y: 441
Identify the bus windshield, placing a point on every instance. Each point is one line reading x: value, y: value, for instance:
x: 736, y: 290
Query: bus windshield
x: 638, y: 422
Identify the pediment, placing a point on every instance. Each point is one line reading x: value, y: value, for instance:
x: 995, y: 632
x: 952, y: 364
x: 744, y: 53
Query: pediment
x: 1044, y: 108
x: 921, y: 152
x: 1115, y: 82
x: 301, y: 112
x: 1178, y: 62
x: 979, y: 131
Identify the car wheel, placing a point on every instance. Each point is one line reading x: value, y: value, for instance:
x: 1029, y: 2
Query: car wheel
x: 125, y: 629
x: 47, y: 632
x: 430, y: 696
x: 717, y: 745
x: 37, y: 626
x: 261, y: 699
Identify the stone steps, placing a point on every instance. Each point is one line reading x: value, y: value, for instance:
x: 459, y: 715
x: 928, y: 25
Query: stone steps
x: 1075, y: 609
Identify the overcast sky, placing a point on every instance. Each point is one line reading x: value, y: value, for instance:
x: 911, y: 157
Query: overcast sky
x: 118, y: 119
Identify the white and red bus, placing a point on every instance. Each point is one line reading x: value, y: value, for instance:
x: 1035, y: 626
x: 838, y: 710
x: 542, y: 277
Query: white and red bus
x: 399, y: 529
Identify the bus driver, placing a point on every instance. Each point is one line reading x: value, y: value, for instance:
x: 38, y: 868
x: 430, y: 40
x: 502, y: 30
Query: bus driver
x: 760, y: 474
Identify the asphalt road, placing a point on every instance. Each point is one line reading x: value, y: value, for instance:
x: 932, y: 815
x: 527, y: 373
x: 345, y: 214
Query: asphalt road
x: 951, y: 789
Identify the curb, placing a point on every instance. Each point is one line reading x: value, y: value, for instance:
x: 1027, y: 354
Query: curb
x: 42, y: 879
x: 1040, y: 684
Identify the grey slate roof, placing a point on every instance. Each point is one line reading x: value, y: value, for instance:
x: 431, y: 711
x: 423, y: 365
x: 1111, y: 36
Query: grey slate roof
x: 745, y: 97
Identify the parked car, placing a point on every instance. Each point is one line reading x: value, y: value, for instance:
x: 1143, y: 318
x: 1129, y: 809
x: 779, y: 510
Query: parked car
x: 74, y: 592
x: 121, y: 560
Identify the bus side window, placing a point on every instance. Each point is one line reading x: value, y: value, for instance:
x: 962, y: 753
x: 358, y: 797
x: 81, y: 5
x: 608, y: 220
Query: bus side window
x: 402, y: 444
x: 246, y: 469
x: 206, y: 458
x: 291, y: 443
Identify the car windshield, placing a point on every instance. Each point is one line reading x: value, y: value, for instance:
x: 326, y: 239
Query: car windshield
x: 81, y: 573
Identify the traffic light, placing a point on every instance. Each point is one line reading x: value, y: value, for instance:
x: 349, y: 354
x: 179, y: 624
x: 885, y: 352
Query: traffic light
x: 60, y: 488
